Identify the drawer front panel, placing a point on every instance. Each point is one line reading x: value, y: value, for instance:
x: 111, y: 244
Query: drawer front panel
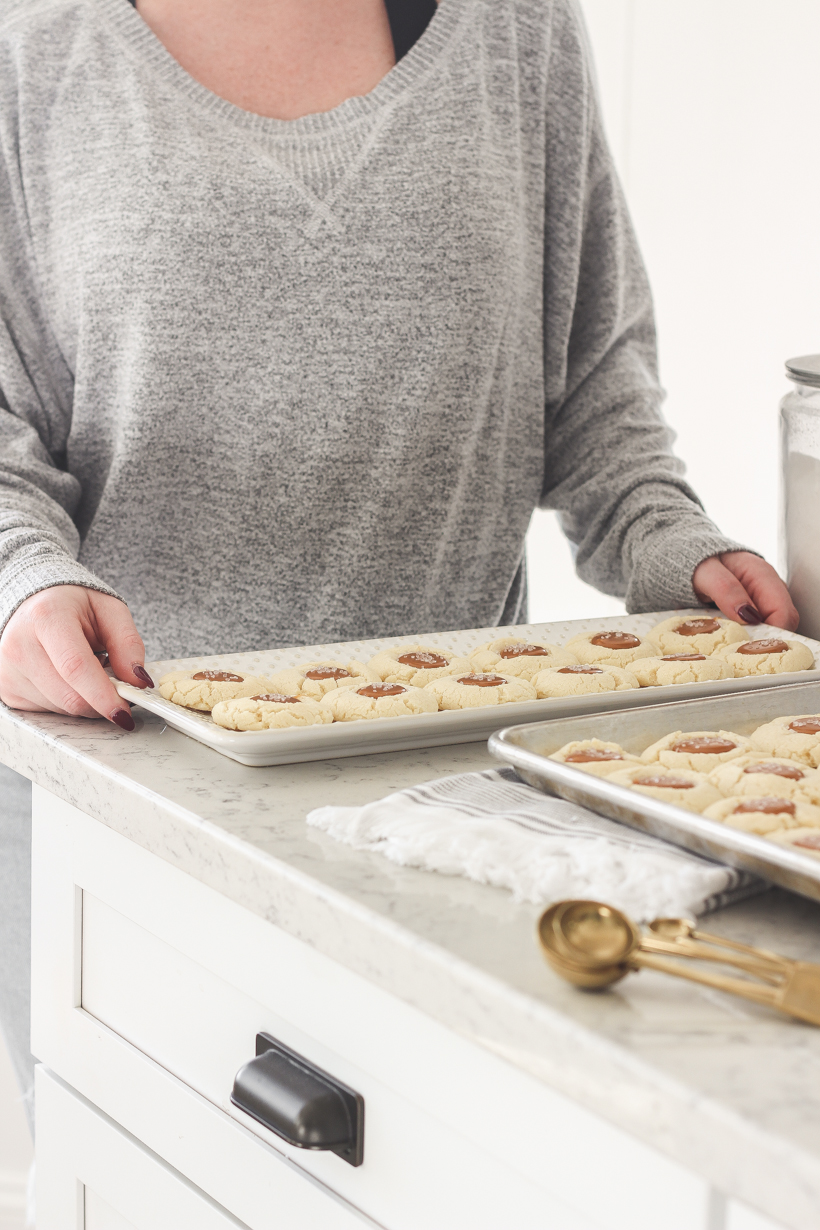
x: 188, y: 978
x: 93, y: 1176
x: 202, y: 1029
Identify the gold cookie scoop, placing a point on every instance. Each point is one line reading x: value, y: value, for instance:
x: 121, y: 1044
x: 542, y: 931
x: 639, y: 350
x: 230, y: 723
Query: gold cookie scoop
x: 594, y: 945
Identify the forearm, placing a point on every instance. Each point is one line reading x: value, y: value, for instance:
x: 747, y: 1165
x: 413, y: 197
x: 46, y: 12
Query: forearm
x: 38, y: 550
x: 656, y: 538
x: 637, y: 526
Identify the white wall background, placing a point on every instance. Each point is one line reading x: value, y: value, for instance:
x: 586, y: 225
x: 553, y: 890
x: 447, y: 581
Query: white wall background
x: 712, y: 110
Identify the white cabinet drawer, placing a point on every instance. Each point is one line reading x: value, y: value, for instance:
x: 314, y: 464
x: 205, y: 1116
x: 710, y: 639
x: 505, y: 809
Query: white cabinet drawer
x: 93, y: 1176
x: 149, y: 989
x: 202, y: 1028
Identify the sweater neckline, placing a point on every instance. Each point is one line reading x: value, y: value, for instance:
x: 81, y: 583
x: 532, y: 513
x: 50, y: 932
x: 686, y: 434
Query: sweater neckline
x: 418, y: 61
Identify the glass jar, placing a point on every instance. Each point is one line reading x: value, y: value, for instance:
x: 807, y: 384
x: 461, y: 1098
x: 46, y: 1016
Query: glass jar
x: 800, y: 490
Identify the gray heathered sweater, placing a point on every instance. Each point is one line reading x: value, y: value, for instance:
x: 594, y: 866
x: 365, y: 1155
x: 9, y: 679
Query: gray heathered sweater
x: 285, y: 382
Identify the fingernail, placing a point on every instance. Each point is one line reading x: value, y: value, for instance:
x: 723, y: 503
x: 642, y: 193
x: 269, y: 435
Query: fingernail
x: 142, y: 674
x: 123, y: 719
x: 749, y: 615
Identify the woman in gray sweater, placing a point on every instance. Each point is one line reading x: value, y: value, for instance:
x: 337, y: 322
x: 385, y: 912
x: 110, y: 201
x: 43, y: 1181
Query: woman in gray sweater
x: 294, y: 338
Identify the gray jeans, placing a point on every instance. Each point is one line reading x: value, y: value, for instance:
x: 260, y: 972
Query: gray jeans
x: 15, y: 929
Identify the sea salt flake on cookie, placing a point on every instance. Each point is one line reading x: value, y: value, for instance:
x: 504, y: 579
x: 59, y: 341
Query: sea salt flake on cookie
x: 678, y: 668
x: 270, y: 711
x: 611, y: 648
x: 794, y: 737
x: 767, y: 656
x: 763, y: 814
x: 756, y: 773
x: 316, y: 679
x: 378, y: 699
x: 479, y: 689
x: 701, y: 750
x: 680, y: 787
x: 202, y: 689
x: 524, y: 659
x: 696, y: 633
x: 417, y: 664
x: 594, y: 756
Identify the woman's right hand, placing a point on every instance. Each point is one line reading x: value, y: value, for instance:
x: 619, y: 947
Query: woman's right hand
x: 48, y: 648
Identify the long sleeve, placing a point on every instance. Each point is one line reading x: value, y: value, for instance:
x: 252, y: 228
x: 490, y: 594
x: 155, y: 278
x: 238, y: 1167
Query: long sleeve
x: 39, y: 541
x: 637, y: 528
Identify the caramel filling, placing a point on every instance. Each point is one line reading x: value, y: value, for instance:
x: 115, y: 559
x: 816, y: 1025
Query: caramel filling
x: 770, y: 646
x: 424, y: 661
x: 482, y: 681
x: 696, y: 627
x: 276, y: 698
x: 219, y: 677
x: 580, y: 670
x: 591, y: 754
x: 616, y: 640
x: 377, y: 690
x: 669, y: 783
x: 327, y: 672
x: 806, y: 726
x: 684, y: 657
x: 523, y: 651
x: 769, y: 807
x: 778, y: 770
x: 706, y: 745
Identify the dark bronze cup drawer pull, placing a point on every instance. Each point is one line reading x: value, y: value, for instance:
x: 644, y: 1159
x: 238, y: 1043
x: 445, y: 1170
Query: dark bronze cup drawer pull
x: 299, y: 1102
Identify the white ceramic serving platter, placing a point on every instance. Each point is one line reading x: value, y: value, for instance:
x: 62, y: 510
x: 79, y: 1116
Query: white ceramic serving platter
x: 428, y: 730
x: 271, y: 747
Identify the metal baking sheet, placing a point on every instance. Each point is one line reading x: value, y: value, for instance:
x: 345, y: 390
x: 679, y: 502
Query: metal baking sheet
x: 527, y: 749
x: 272, y: 747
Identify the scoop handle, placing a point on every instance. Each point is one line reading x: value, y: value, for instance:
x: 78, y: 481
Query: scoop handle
x: 770, y: 968
x: 721, y: 982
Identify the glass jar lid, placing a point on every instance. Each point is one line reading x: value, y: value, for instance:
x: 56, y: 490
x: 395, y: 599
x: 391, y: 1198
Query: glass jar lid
x: 805, y: 369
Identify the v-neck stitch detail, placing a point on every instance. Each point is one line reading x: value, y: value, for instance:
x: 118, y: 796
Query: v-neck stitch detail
x: 317, y: 154
x: 320, y: 175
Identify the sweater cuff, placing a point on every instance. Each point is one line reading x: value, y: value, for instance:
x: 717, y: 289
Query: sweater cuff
x: 20, y: 580
x: 663, y: 579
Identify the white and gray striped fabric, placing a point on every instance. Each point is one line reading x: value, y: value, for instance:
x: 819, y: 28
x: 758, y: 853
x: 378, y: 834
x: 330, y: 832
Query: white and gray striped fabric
x: 493, y: 828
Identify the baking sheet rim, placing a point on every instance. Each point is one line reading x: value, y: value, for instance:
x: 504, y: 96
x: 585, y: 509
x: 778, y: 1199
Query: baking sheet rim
x: 708, y: 838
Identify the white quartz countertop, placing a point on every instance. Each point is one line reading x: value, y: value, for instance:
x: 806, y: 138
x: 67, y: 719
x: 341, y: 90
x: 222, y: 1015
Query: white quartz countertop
x: 729, y: 1089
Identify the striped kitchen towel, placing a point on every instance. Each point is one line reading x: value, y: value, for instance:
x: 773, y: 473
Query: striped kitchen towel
x: 493, y: 828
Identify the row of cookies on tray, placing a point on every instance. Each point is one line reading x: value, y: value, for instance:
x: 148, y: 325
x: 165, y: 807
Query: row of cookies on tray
x: 416, y: 679
x: 398, y: 683
x: 767, y: 782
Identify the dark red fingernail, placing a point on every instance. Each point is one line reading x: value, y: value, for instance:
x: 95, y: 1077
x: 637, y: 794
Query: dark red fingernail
x: 142, y: 674
x: 749, y: 615
x: 123, y: 719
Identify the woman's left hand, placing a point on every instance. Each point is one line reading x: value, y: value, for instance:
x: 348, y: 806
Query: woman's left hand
x: 745, y: 588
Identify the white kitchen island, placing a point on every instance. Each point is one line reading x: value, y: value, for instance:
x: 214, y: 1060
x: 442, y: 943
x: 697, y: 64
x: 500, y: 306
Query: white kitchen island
x: 181, y: 906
